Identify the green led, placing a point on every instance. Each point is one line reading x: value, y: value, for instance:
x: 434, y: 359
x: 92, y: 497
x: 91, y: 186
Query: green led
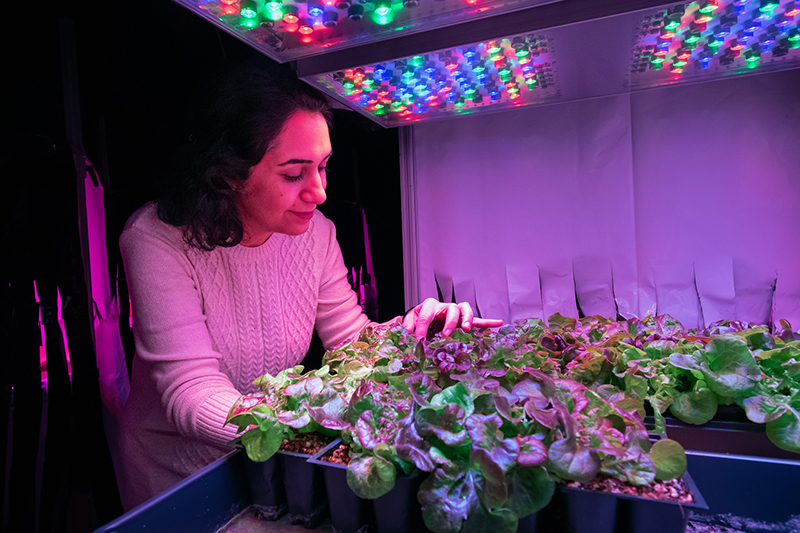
x: 470, y: 91
x: 249, y: 23
x: 657, y: 60
x: 348, y: 85
x: 679, y: 63
x: 379, y: 111
x: 478, y: 68
x: 691, y: 37
x: 752, y: 58
x: 522, y: 52
x: 367, y: 82
x: 709, y: 7
x: 274, y: 5
x: 673, y: 25
x: 714, y: 42
x: 493, y: 49
x: 513, y: 90
x: 766, y: 7
x: 417, y: 61
x: 794, y: 36
x: 459, y: 103
x: 531, y: 81
x: 249, y: 10
x: 274, y: 14
x: 505, y: 71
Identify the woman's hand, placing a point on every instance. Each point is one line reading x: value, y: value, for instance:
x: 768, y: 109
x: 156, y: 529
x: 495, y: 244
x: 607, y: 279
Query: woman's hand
x: 432, y: 316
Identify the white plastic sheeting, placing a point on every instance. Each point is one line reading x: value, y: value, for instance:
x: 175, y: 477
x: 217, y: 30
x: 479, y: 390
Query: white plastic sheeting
x: 683, y: 200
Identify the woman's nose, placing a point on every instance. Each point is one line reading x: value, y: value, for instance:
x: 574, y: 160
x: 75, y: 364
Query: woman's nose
x: 315, y: 191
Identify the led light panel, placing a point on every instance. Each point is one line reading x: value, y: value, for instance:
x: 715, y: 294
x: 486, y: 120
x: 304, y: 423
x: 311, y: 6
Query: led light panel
x: 507, y: 72
x: 710, y: 39
x: 290, y: 29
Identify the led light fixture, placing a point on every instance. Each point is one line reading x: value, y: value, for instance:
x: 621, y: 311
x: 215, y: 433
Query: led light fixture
x: 339, y: 23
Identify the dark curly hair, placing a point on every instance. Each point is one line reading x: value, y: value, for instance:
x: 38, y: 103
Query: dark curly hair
x: 237, y: 121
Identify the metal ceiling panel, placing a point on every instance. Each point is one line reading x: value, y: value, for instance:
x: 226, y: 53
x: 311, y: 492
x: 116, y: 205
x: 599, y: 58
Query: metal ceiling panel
x: 561, y: 52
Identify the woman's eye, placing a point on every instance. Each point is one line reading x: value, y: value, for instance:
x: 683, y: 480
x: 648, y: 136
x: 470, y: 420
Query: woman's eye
x: 323, y: 170
x: 293, y: 179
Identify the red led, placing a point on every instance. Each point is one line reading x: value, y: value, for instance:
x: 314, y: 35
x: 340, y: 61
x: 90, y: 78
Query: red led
x: 685, y: 54
x: 229, y: 10
x: 667, y: 34
x: 736, y: 45
x: 349, y: 73
x: 291, y: 19
x: 676, y: 70
x: 792, y: 9
x: 660, y: 53
x: 229, y: 2
x: 290, y: 27
x: 525, y: 60
x: 359, y: 73
x: 451, y: 64
x: 511, y: 83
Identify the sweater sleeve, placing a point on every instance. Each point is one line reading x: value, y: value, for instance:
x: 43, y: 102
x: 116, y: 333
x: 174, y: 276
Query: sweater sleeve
x: 339, y: 317
x: 171, y: 336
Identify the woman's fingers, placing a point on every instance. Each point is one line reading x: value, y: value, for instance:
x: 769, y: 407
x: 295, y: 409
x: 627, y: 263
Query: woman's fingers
x: 452, y: 316
x: 487, y: 323
x: 467, y: 316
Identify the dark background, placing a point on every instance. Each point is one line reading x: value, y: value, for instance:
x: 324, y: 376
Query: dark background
x: 139, y: 67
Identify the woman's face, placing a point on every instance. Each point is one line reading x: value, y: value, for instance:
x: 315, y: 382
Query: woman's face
x: 287, y: 185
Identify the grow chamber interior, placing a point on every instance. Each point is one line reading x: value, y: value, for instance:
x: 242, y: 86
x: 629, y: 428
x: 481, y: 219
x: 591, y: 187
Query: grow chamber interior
x: 290, y: 29
x: 677, y: 43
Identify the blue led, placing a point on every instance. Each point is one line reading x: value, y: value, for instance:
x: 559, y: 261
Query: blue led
x: 751, y: 25
x: 430, y: 67
x: 461, y: 78
x: 482, y: 76
x: 527, y: 68
x: 745, y: 35
x: 441, y: 82
x: 762, y: 16
x: 315, y: 10
x: 470, y: 52
x: 783, y: 22
x: 720, y: 32
x: 419, y: 107
x: 379, y: 71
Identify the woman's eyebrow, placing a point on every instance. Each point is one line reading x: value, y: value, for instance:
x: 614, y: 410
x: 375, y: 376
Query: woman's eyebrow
x: 303, y: 161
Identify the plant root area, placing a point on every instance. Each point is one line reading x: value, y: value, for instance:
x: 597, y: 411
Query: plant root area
x: 674, y: 490
x: 307, y: 443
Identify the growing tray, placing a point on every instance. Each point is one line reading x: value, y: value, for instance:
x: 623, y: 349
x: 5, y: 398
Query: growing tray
x: 349, y: 513
x: 574, y: 510
x: 306, y: 499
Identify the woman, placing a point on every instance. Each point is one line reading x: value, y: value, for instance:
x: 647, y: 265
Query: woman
x: 230, y: 273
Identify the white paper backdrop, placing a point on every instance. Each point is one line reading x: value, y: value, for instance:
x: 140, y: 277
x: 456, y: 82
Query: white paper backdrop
x: 683, y: 200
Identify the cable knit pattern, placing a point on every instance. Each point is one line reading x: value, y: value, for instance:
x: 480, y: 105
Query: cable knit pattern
x: 206, y: 324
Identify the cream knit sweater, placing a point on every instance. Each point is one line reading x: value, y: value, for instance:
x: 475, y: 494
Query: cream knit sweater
x: 206, y: 324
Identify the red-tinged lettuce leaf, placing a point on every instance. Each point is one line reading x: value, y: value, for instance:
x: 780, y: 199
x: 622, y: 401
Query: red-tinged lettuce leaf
x: 262, y: 442
x: 586, y: 366
x: 366, y: 433
x: 456, y: 394
x: 422, y: 388
x: 546, y: 417
x: 309, y: 387
x: 784, y: 432
x: 696, y: 406
x: 494, y: 492
x: 411, y: 446
x: 564, y: 322
x: 444, y: 423
x: 295, y: 419
x: 762, y: 409
x: 529, y: 490
x: 473, y: 380
x: 730, y: 369
x: 370, y: 477
x: 483, y: 519
x: 484, y: 430
x: 504, y: 408
x: 532, y: 451
x: 531, y: 391
x: 446, y: 500
x: 570, y: 460
x: 570, y: 394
